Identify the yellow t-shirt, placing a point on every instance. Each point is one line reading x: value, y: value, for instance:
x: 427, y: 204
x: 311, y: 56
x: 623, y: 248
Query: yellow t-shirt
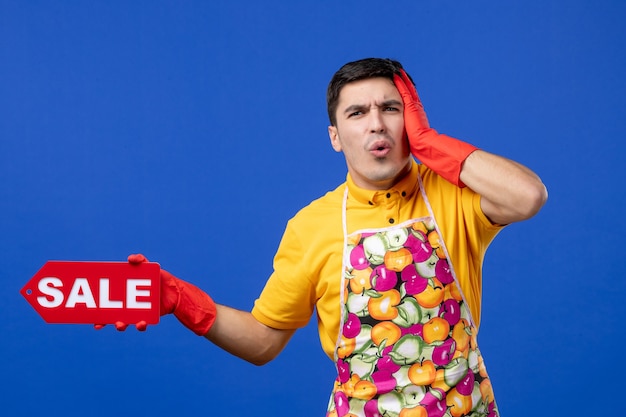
x: 308, y: 270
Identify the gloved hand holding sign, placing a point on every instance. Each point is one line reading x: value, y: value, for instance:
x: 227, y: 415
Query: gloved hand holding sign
x: 192, y: 307
x: 441, y: 153
x: 121, y: 293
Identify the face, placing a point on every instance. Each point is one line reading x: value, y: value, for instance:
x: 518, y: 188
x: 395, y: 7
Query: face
x: 370, y: 133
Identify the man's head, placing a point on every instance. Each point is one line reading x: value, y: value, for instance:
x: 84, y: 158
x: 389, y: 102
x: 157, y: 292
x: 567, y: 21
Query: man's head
x: 367, y: 123
x: 355, y: 71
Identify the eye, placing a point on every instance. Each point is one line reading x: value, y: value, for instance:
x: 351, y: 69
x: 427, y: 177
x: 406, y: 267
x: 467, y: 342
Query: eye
x: 355, y: 113
x: 391, y: 109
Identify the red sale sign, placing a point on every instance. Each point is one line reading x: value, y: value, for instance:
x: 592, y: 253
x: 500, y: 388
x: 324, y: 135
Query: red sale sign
x: 95, y: 292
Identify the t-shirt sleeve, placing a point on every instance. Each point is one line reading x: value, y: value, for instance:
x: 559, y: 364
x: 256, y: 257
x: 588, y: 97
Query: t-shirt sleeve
x: 486, y: 229
x: 288, y: 299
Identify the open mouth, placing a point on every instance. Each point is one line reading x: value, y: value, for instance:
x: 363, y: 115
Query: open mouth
x: 380, y: 151
x: 379, y: 148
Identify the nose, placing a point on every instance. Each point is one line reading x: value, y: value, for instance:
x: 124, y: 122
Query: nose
x: 376, y: 122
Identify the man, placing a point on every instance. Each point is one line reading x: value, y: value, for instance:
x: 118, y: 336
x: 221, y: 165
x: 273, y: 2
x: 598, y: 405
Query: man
x: 391, y: 259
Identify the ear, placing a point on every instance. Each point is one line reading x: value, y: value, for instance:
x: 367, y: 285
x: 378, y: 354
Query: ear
x: 334, y: 138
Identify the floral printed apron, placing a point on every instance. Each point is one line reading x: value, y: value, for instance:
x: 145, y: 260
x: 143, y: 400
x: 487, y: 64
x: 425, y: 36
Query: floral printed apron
x: 407, y: 343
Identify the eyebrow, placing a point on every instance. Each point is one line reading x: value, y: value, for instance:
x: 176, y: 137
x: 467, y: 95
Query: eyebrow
x: 360, y: 107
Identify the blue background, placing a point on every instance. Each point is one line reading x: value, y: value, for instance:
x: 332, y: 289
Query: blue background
x: 192, y: 131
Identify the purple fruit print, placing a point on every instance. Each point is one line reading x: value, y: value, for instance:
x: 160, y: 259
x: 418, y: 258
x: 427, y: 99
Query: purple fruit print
x: 416, y: 286
x: 415, y: 283
x: 443, y: 272
x: 420, y: 249
x: 385, y: 363
x: 450, y: 311
x: 442, y: 354
x: 358, y: 260
x: 435, y: 403
x: 352, y: 326
x: 384, y: 382
x: 343, y: 370
x: 383, y: 279
x: 371, y: 409
x: 341, y: 403
x: 416, y: 329
x: 466, y: 384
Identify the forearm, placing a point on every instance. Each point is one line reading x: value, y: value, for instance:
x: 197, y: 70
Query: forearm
x: 240, y: 334
x: 510, y: 191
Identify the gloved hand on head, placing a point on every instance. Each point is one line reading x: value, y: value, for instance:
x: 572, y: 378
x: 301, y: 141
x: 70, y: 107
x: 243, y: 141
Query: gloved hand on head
x: 441, y: 153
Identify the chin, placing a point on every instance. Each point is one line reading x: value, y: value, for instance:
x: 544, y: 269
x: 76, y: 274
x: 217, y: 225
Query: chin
x: 386, y: 179
x: 390, y: 173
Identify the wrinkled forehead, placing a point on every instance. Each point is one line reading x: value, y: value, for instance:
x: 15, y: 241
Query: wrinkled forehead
x: 368, y: 91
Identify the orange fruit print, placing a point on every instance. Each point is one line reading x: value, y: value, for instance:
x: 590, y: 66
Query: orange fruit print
x: 437, y: 329
x: 386, y: 331
x: 384, y: 306
x: 422, y: 373
x: 398, y: 260
x: 432, y: 296
x: 360, y: 280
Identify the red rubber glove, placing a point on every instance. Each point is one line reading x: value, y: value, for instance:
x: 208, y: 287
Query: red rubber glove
x: 191, y: 306
x: 441, y: 153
